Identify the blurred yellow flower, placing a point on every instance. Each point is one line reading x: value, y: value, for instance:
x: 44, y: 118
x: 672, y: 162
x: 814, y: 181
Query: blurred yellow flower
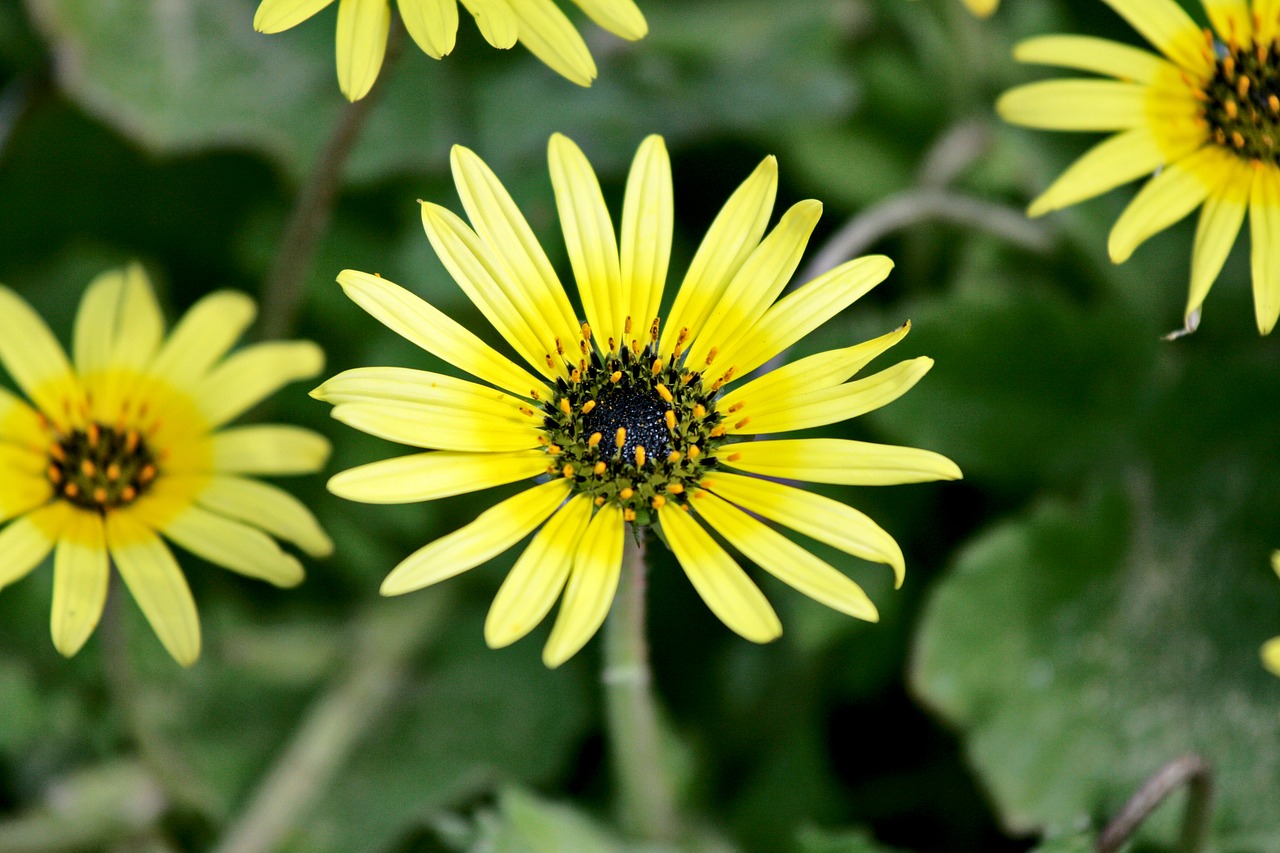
x: 537, y: 24
x: 624, y: 418
x: 1271, y: 648
x: 1204, y: 117
x: 123, y: 442
x: 982, y: 8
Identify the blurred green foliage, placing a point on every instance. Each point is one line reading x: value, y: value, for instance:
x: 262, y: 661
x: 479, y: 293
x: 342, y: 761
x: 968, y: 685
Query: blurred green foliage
x: 1086, y: 605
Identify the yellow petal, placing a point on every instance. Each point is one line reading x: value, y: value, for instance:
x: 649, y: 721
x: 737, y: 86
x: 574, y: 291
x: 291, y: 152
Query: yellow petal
x: 29, y: 539
x: 80, y: 575
x: 596, y: 567
x: 589, y: 238
x: 203, y: 336
x: 836, y: 460
x: 274, y: 16
x: 1087, y: 53
x: 1169, y: 29
x: 1075, y: 105
x: 503, y: 228
x: 620, y: 17
x: 829, y: 405
x: 410, y: 386
x: 1162, y: 201
x: 800, y: 312
x: 786, y: 560
x: 496, y: 20
x: 757, y: 283
x: 427, y: 476
x: 1116, y: 160
x: 423, y: 325
x: 551, y: 37
x: 157, y: 584
x: 439, y: 427
x: 119, y: 324
x: 1220, y: 222
x: 268, y: 449
x: 433, y: 24
x: 821, y: 518
x: 494, y: 531
x: 732, y: 237
x: 648, y: 214
x: 535, y: 581
x: 720, y: 582
x: 34, y: 358
x: 1264, y: 233
x: 252, y: 375
x: 1271, y: 655
x: 23, y: 484
x: 1232, y: 20
x: 982, y: 8
x: 362, y: 42
x: 234, y: 546
x: 19, y: 423
x: 269, y: 508
x: 1267, y: 15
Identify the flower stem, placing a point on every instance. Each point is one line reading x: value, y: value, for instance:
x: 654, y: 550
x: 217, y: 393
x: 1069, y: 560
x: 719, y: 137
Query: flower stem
x: 646, y: 802
x: 1190, y: 770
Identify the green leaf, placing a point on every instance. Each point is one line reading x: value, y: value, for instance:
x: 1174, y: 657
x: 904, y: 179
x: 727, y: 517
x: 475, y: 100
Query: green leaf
x: 813, y: 840
x: 1070, y: 842
x: 527, y: 824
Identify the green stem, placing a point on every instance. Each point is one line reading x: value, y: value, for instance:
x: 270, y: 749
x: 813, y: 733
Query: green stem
x: 646, y: 802
x: 1194, y: 772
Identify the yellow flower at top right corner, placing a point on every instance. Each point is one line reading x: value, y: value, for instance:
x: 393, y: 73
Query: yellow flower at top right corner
x: 1201, y: 117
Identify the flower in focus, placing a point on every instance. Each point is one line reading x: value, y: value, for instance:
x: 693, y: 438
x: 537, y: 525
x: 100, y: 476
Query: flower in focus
x: 626, y: 417
x: 1204, y: 116
x: 1271, y: 648
x: 537, y: 24
x: 124, y: 442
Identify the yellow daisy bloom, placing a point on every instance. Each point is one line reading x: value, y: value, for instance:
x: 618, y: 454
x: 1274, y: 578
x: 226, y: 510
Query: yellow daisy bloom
x: 1271, y: 648
x: 626, y: 418
x: 1204, y: 116
x: 124, y: 442
x: 537, y: 24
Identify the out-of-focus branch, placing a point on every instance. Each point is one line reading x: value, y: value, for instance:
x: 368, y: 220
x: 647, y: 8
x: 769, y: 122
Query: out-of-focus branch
x: 1195, y: 773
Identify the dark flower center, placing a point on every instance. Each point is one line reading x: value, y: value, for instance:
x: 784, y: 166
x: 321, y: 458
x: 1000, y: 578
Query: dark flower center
x: 1242, y: 102
x: 100, y: 468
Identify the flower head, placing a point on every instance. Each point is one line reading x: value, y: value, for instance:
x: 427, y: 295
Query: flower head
x: 629, y: 417
x: 537, y: 24
x: 1204, y: 116
x: 1271, y: 648
x: 123, y: 443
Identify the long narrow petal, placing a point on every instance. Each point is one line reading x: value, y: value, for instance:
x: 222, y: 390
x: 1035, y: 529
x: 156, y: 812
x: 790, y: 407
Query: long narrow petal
x: 80, y: 575
x: 496, y: 20
x: 203, y: 336
x: 420, y: 323
x: 427, y: 476
x: 1088, y: 53
x: 1266, y: 13
x: 551, y: 37
x: 759, y: 281
x: 596, y: 568
x: 620, y: 17
x: 234, y: 546
x: 268, y: 449
x: 273, y: 16
x: 35, y: 359
x: 811, y: 373
x: 503, y: 228
x: 362, y: 42
x: 732, y: 237
x: 1179, y: 189
x: 1216, y: 233
x: 19, y: 423
x: 1075, y: 105
x: 830, y: 405
x: 22, y: 471
x: 252, y: 375
x: 439, y: 427
x: 589, y: 238
x: 118, y: 324
x: 407, y: 385
x: 1264, y: 233
x: 269, y: 508
x: 786, y: 560
x: 840, y: 461
x: 157, y: 584
x: 720, y: 581
x: 535, y: 581
x: 1232, y: 20
x: 648, y: 215
x: 433, y: 24
x: 494, y: 531
x: 821, y: 518
x: 1168, y: 28
x: 28, y: 540
x: 799, y: 313
x: 1115, y: 160
x: 511, y: 309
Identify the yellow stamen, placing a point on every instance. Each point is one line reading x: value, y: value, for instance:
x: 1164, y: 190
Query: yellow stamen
x: 628, y: 515
x: 599, y: 501
x: 113, y: 472
x: 670, y: 417
x: 657, y: 366
x: 100, y: 495
x: 675, y: 488
x: 615, y: 376
x: 664, y: 392
x: 718, y: 431
x: 674, y: 456
x: 694, y: 451
x: 594, y: 440
x: 626, y: 493
x: 565, y: 407
x: 87, y: 467
x: 659, y: 502
x: 740, y: 424
x: 588, y: 406
x: 567, y: 470
x: 639, y: 455
x: 734, y: 457
x: 600, y: 468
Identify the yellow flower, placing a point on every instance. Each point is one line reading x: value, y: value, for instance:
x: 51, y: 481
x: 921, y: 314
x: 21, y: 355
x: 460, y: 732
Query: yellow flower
x: 624, y: 418
x: 982, y: 8
x: 123, y: 442
x: 1204, y: 117
x: 1271, y: 648
x: 537, y: 24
